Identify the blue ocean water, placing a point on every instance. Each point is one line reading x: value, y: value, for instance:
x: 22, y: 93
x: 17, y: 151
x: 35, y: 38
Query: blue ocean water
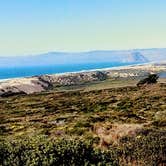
x: 14, y: 72
x: 162, y: 74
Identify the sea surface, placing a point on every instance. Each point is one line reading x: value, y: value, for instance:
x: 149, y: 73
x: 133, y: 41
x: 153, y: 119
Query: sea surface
x: 162, y: 75
x: 17, y: 72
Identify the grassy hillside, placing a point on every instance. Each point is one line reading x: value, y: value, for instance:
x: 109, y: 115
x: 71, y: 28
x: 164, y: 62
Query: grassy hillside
x: 126, y: 124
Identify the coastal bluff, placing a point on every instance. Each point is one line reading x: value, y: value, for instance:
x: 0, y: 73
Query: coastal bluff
x: 35, y: 84
x: 41, y: 83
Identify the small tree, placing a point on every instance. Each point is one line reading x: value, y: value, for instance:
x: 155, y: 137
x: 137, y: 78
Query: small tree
x: 151, y: 79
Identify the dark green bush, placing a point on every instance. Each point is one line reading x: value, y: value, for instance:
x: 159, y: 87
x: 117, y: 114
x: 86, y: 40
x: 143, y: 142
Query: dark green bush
x: 51, y: 153
x: 147, y: 148
x: 151, y: 79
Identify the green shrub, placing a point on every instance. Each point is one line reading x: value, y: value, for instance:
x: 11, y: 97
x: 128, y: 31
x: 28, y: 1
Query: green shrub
x: 147, y: 148
x: 50, y: 153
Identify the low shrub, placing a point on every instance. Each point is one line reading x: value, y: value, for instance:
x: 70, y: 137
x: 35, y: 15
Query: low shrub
x: 49, y: 153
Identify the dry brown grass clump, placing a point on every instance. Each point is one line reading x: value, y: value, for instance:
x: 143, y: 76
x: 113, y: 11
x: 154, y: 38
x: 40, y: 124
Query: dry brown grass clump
x: 112, y: 133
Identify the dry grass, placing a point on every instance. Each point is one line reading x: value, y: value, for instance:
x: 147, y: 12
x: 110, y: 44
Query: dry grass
x: 112, y: 133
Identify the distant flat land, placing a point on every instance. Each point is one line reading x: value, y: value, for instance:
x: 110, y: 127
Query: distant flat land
x: 106, y: 84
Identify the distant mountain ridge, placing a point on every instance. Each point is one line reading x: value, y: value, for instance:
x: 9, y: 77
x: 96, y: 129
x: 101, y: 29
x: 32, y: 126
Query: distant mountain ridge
x: 136, y: 57
x: 58, y: 58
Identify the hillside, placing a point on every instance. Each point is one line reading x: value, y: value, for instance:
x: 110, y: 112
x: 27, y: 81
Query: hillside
x: 116, y: 120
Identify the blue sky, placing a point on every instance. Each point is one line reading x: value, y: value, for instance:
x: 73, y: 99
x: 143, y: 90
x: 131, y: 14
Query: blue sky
x: 36, y: 26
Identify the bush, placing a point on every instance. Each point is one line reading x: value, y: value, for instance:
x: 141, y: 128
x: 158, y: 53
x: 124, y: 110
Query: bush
x: 151, y: 79
x: 147, y: 148
x: 50, y: 153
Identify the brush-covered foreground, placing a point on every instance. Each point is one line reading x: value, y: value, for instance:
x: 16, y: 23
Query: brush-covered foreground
x: 115, y: 126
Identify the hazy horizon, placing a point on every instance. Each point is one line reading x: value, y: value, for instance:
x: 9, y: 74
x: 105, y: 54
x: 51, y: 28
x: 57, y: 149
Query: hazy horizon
x: 77, y: 52
x: 35, y: 27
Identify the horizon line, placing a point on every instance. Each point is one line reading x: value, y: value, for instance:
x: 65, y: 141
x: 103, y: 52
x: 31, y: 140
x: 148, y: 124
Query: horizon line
x: 81, y: 51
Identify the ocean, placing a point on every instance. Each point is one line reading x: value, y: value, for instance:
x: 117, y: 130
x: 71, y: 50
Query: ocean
x: 16, y: 72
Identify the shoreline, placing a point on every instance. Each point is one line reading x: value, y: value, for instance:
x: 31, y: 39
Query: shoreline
x: 40, y: 83
x: 83, y: 71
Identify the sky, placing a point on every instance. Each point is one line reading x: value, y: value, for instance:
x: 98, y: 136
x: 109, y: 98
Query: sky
x: 39, y: 26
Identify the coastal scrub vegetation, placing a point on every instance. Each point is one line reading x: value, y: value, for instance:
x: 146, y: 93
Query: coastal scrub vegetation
x: 114, y: 126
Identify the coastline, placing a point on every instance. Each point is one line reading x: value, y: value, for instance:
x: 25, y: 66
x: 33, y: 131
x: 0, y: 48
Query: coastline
x: 39, y: 83
x: 83, y: 71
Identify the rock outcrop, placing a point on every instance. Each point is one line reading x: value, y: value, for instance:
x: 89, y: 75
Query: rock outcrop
x: 75, y: 78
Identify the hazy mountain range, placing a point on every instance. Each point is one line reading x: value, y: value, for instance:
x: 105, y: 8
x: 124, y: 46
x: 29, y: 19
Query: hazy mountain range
x: 57, y: 58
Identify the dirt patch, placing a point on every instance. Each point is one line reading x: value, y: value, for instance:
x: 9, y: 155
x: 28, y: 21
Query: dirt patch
x: 111, y: 133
